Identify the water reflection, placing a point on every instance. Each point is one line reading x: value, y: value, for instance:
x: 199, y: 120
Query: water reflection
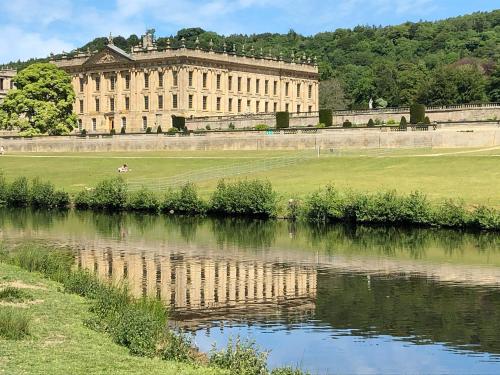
x: 294, y: 287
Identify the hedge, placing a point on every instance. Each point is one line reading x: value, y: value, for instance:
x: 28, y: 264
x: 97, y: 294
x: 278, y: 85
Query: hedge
x: 282, y: 120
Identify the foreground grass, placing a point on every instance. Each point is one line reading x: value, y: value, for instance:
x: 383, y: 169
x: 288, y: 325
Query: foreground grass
x: 59, y: 343
x: 472, y: 175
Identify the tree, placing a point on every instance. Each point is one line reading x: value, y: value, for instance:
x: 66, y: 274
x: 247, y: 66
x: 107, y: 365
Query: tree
x: 42, y: 102
x: 493, y: 88
x: 332, y: 95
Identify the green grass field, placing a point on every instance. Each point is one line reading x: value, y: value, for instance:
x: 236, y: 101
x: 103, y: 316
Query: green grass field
x: 59, y: 343
x: 470, y: 174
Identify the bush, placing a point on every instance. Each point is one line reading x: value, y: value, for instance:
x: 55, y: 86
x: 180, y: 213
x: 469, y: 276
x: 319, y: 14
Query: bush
x: 172, y: 131
x: 185, y: 201
x: 110, y: 194
x: 83, y: 133
x: 244, y: 198
x: 451, y: 214
x: 44, y: 195
x: 177, y: 347
x: 321, y: 126
x: 485, y: 218
x: 4, y: 190
x: 14, y: 323
x: 282, y: 120
x: 12, y: 294
x: 427, y: 120
x: 326, y: 117
x: 158, y: 130
x: 123, y: 130
x: 261, y: 127
x: 391, y: 122
x: 18, y: 194
x: 231, y: 126
x: 148, y: 130
x: 417, y: 113
x: 347, y: 124
x: 84, y: 200
x: 143, y: 200
x: 242, y: 358
x: 403, y: 124
x: 207, y: 127
x: 112, y: 132
x: 371, y: 123
x: 179, y: 122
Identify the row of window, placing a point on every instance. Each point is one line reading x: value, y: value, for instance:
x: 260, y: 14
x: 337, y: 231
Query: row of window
x: 239, y: 104
x: 112, y: 83
x: 123, y: 123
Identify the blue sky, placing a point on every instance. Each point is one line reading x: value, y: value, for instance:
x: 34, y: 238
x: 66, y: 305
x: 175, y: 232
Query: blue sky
x: 34, y: 28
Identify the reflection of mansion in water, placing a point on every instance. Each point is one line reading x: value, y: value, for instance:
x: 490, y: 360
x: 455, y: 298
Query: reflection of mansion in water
x: 191, y: 283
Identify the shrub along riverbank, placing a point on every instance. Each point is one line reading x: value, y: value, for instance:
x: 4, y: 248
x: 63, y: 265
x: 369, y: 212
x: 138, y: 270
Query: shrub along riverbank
x: 139, y: 324
x: 257, y: 199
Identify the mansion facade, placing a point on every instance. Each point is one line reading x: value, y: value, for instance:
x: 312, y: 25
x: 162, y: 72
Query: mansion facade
x: 6, y: 82
x: 145, y: 88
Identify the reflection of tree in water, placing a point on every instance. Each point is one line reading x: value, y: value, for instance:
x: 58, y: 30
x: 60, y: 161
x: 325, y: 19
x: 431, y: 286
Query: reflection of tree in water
x: 413, y: 307
x: 245, y: 233
x: 22, y: 218
x: 107, y: 224
x: 389, y: 241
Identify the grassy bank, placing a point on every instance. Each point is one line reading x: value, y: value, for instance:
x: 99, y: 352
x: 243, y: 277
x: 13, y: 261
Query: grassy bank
x: 470, y: 174
x: 60, y: 343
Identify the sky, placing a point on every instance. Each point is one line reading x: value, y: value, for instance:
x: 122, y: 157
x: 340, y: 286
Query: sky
x: 34, y: 28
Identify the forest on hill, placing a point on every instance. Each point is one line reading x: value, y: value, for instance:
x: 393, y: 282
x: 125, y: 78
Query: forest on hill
x: 452, y: 61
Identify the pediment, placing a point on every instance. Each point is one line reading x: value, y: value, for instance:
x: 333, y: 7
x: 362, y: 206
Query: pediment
x: 110, y: 55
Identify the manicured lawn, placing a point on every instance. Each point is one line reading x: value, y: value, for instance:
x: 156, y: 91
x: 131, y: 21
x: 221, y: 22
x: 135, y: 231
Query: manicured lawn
x: 59, y: 342
x: 473, y: 175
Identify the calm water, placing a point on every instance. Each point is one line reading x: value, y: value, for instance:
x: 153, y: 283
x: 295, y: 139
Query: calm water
x: 330, y: 300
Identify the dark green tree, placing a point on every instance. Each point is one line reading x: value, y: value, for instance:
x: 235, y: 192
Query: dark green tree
x: 42, y: 102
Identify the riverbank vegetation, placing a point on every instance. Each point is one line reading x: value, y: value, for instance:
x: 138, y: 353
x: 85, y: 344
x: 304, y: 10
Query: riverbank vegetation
x: 257, y: 199
x: 138, y: 324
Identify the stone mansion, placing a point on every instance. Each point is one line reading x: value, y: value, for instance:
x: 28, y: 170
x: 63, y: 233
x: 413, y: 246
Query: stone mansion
x: 148, y: 86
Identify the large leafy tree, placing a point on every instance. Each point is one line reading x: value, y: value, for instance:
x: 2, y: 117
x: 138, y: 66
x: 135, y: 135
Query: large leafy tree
x: 42, y: 102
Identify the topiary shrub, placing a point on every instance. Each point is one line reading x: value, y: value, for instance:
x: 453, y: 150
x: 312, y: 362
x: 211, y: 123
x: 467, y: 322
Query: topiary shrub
x: 172, y: 131
x: 326, y: 117
x: 261, y: 127
x: 148, y: 130
x: 18, y: 193
x: 282, y: 120
x: 83, y: 133
x: 208, y: 127
x: 427, y: 120
x: 122, y: 130
x: 417, y: 113
x: 158, y: 130
x: 321, y: 126
x: 112, y: 132
x: 371, y: 123
x: 231, y: 126
x: 347, y: 124
x: 403, y: 124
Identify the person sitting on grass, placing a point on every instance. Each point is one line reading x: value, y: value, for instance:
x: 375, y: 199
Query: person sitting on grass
x: 123, y: 169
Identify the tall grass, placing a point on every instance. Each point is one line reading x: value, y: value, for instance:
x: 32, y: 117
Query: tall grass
x: 14, y: 323
x: 13, y: 294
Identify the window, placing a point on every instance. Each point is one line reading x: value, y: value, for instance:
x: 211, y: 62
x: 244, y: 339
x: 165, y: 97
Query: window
x: 298, y: 90
x: 1, y: 83
x: 239, y: 83
x: 174, y: 101
x: 218, y: 103
x: 230, y: 83
x: 310, y: 108
x: 146, y: 80
x: 94, y: 124
x: 298, y: 108
x: 287, y: 107
x: 112, y: 104
x: 266, y: 87
x: 97, y: 83
x: 146, y: 102
x: 205, y: 80
x: 239, y: 105
x: 160, y: 79
x: 257, y: 106
x: 266, y: 107
x: 230, y: 105
x: 275, y: 88
x: 257, y: 85
x: 190, y: 78
x: 160, y: 101
x: 205, y: 99
x: 127, y: 82
x: 144, y: 122
x: 174, y: 78
x: 287, y: 86
x: 80, y: 125
x: 127, y: 103
x: 218, y: 81
x: 124, y: 122
x: 81, y: 84
x: 81, y: 106
x: 112, y: 82
x: 97, y: 105
x: 275, y: 107
x: 249, y: 84
x: 310, y: 91
x: 190, y: 101
x: 249, y: 105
